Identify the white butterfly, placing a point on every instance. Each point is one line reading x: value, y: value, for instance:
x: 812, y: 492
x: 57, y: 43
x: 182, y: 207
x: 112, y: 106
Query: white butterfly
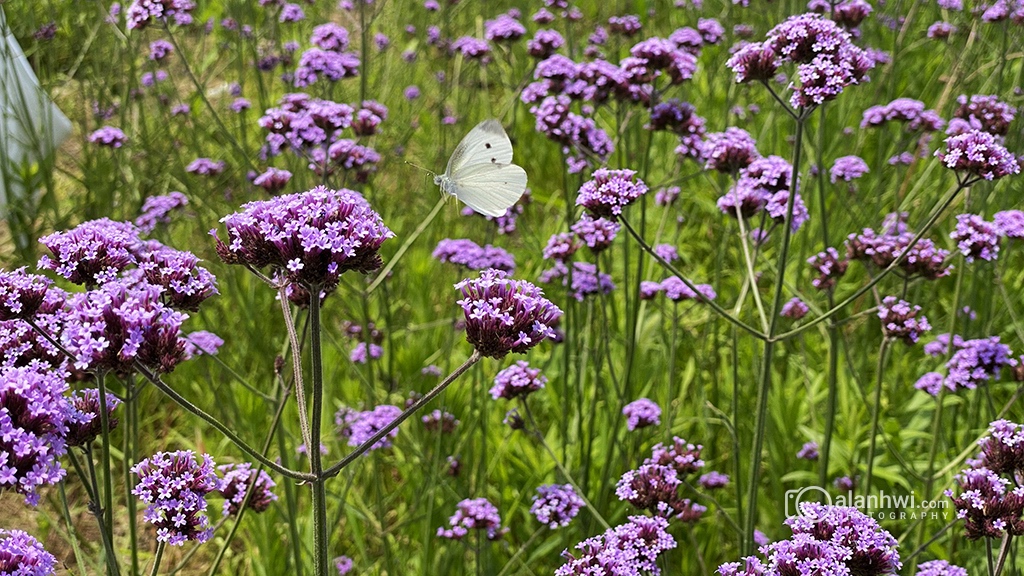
x: 481, y: 173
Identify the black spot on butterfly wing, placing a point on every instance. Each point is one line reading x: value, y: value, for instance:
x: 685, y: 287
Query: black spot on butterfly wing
x: 494, y: 160
x: 487, y: 145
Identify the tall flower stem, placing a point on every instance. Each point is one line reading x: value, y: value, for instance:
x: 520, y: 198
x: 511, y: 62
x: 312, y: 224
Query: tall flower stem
x: 300, y: 387
x: 156, y: 561
x: 110, y: 559
x: 108, y: 481
x: 129, y: 450
x: 883, y: 351
x: 761, y: 411
x: 321, y: 564
x: 434, y: 392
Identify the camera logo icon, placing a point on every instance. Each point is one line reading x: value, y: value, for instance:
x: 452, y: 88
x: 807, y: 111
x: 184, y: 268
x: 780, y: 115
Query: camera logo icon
x: 796, y: 497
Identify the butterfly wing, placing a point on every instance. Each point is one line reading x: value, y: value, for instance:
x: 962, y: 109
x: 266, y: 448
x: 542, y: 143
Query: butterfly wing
x: 487, y: 143
x: 490, y: 189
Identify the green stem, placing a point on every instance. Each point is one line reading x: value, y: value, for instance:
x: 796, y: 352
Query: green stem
x: 130, y: 457
x: 79, y: 560
x: 321, y: 563
x: 761, y: 411
x: 108, y: 481
x: 156, y: 561
x: 110, y: 559
x: 876, y: 412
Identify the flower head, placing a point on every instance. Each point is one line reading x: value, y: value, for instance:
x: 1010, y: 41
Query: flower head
x: 359, y: 427
x: 555, y: 506
x: 902, y: 320
x: 978, y: 154
x: 23, y: 555
x: 85, y: 422
x: 141, y: 13
x: 93, y: 252
x: 609, y: 191
x: 109, y: 137
x: 505, y: 315
x: 630, y: 548
x: 175, y: 485
x: 21, y: 294
x: 976, y: 238
x: 473, y: 514
x: 729, y: 151
x: 157, y: 210
x: 517, y: 381
x: 237, y: 480
x: 465, y: 252
x: 641, y: 414
x: 847, y: 168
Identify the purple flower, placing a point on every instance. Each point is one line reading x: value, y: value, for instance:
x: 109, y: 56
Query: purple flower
x: 411, y: 92
x: 368, y: 118
x: 677, y: 291
x: 754, y: 62
x: 160, y: 49
x: 108, y: 136
x: 560, y: 247
x: 517, y: 381
x: 829, y: 267
x: 555, y: 506
x: 304, y: 124
x: 141, y: 13
x: 343, y: 564
x: 85, y: 422
x: 609, y: 191
x: 311, y: 238
x: 794, y: 309
x: 835, y: 539
x: 505, y: 315
x: 586, y: 280
x: 666, y: 196
x: 21, y: 294
x: 809, y: 451
x: 1002, y: 451
x: 1009, y: 223
x: 438, y: 421
x: 641, y: 414
x: 910, y: 112
x: 931, y: 383
x: 330, y: 37
x: 156, y: 210
x: 205, y: 167
x: 714, y: 480
x: 185, y: 284
x: 941, y: 30
x: 711, y: 30
x: 291, y: 13
x: 202, y: 342
x: 978, y: 361
x: 359, y: 427
x: 473, y: 514
x: 976, y: 238
x: 985, y: 113
x: 175, y: 485
x: 628, y: 549
x: 23, y: 555
x: 654, y: 487
x: 729, y: 151
x: 901, y: 320
x: 978, y: 154
x: 504, y: 28
x: 597, y: 234
x: 924, y: 259
x: 472, y: 48
x: 990, y: 506
x: 666, y: 252
x: 273, y: 179
x: 850, y: 13
x: 33, y: 416
x: 361, y: 354
x: 118, y: 324
x: 544, y: 44
x: 465, y: 252
x: 939, y: 568
x: 682, y: 457
x: 315, y: 64
x: 627, y: 25
x: 236, y: 482
x: 848, y: 168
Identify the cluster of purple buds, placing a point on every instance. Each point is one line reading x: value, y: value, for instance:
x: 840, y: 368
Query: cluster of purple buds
x: 941, y: 30
x: 655, y: 488
x: 517, y: 381
x: 330, y: 37
x: 237, y: 480
x: 847, y: 168
x: 829, y: 266
x: 561, y: 246
x: 466, y: 253
x: 794, y: 309
x: 85, y: 422
x: 977, y: 154
x: 1010, y: 223
x: 681, y: 119
x: 681, y: 456
x: 21, y: 294
x: 911, y: 113
x: 544, y: 44
x: 202, y: 342
x: 1002, y: 451
x: 729, y: 151
x: 109, y: 137
x: 273, y: 180
x: 505, y: 315
x: 973, y: 363
x: 630, y: 548
x: 578, y: 135
x: 902, y: 320
x: 369, y: 117
x: 882, y: 249
x: 33, y: 417
x: 713, y: 480
x: 93, y: 252
x: 175, y: 485
x: 473, y: 514
x: 641, y: 414
x: 809, y: 451
x: 555, y: 506
x: 939, y: 568
x: 596, y: 233
x: 331, y: 65
x: 586, y: 279
x: 990, y: 505
x: 677, y: 291
x: 24, y: 346
x: 185, y: 284
x: 826, y: 58
x: 304, y: 124
x: 359, y: 427
x: 504, y: 28
x: 157, y: 209
x: 976, y: 238
x: 23, y: 555
x: 142, y: 13
x: 310, y: 238
x: 439, y: 421
x: 984, y: 113
x: 362, y: 353
x: 205, y: 167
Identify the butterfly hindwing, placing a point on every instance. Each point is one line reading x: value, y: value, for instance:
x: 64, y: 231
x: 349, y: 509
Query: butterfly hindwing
x: 487, y: 143
x: 490, y: 189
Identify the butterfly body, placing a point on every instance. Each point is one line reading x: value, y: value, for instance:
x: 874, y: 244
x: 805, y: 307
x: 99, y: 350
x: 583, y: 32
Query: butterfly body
x: 480, y: 172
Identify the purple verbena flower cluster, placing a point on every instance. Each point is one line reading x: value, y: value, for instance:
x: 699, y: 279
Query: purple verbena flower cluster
x: 33, y: 416
x: 978, y: 154
x: 236, y: 482
x: 517, y: 381
x: 85, y: 422
x: 794, y: 309
x: 882, y: 249
x: 465, y: 252
x: 359, y: 427
x: 939, y: 568
x: 641, y: 414
x: 23, y: 555
x: 984, y: 113
x: 829, y: 266
x: 21, y: 294
x: 439, y: 421
x: 157, y: 209
x: 630, y: 549
x: 108, y: 136
x: 505, y: 315
x: 902, y: 320
x: 473, y: 514
x: 976, y: 238
x: 142, y: 13
x: 847, y: 168
x: 911, y: 113
x: 609, y: 191
x: 556, y: 505
x: 175, y: 485
x: 596, y: 233
x: 974, y: 362
x: 93, y: 252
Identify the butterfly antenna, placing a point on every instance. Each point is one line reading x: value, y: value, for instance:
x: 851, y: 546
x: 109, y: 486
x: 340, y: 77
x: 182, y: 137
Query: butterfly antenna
x: 431, y: 172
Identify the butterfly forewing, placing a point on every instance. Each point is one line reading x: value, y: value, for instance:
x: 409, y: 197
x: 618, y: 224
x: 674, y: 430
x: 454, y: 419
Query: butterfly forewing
x: 490, y: 189
x: 487, y: 143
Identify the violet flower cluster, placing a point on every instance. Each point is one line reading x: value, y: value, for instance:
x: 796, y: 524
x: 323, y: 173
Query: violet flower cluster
x: 902, y: 320
x: 236, y: 482
x: 23, y: 555
x: 465, y: 252
x: 586, y: 279
x: 157, y: 209
x: 85, y: 422
x: 33, y: 416
x: 473, y: 514
x: 655, y: 488
x: 109, y: 137
x: 310, y: 238
x: 596, y: 233
x: 976, y: 238
x: 175, y: 485
x: 93, y: 252
x: 630, y: 549
x: 641, y: 414
x: 984, y: 113
x: 976, y: 154
x: 974, y: 362
x: 556, y: 505
x: 609, y: 191
x: 939, y: 568
x: 517, y: 381
x: 881, y: 249
x: 21, y: 294
x: 505, y: 315
x: 142, y: 13
x: 360, y: 426
x: 911, y: 113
